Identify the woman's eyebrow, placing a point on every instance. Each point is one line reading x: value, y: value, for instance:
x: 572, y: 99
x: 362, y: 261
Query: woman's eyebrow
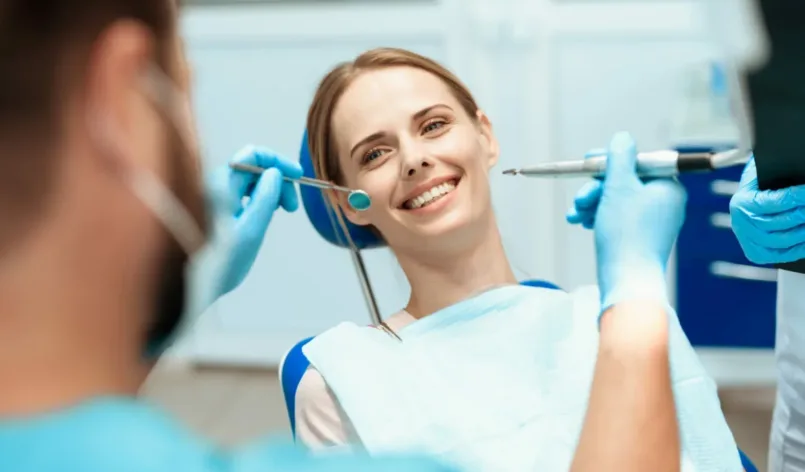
x: 372, y: 137
x: 427, y: 110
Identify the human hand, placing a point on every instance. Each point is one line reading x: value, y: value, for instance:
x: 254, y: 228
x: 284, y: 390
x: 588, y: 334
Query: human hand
x: 635, y: 224
x: 253, y: 201
x: 769, y: 224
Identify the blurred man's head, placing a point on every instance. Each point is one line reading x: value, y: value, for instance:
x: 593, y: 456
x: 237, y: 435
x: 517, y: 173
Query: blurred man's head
x: 94, y: 111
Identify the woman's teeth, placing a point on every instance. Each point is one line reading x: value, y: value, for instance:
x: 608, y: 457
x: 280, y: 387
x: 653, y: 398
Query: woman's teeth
x: 431, y: 195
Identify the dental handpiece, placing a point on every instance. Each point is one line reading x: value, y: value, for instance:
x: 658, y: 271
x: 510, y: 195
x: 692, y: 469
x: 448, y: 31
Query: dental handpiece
x: 665, y: 163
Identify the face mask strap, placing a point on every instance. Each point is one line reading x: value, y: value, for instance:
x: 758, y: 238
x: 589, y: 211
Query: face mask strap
x: 168, y: 209
x: 154, y: 194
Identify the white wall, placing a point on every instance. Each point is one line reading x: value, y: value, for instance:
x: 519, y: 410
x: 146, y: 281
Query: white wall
x: 556, y: 80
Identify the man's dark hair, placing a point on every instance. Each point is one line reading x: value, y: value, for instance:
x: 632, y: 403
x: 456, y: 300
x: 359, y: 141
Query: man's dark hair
x: 45, y: 46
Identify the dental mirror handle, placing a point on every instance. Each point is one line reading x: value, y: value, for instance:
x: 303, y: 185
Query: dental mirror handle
x: 301, y: 180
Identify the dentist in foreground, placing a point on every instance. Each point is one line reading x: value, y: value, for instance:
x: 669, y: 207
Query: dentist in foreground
x: 110, y: 243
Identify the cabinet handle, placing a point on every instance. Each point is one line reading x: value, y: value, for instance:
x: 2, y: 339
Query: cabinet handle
x: 729, y: 270
x: 721, y: 220
x: 725, y: 188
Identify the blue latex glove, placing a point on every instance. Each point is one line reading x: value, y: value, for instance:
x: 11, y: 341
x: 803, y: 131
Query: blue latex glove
x: 253, y: 199
x: 770, y: 225
x: 635, y: 225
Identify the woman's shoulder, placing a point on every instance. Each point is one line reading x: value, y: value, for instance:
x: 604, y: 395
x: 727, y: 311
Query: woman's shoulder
x: 320, y: 420
x: 312, y: 388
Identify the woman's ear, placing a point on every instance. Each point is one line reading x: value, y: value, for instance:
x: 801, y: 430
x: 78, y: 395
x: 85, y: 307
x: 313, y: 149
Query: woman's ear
x: 488, y: 138
x: 340, y: 199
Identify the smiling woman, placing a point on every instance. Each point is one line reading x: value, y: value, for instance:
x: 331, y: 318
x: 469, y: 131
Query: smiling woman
x: 478, y: 370
x: 407, y: 131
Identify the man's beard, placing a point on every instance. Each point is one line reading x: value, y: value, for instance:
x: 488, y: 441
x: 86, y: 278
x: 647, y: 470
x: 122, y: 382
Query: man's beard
x: 171, y: 294
x: 171, y: 297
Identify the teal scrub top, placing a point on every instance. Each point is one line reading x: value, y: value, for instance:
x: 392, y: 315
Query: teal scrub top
x: 126, y: 435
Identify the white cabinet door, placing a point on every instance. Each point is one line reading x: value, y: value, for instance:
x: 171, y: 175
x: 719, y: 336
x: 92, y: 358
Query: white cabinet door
x: 256, y: 69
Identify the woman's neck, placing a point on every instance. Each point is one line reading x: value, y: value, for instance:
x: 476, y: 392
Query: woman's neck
x: 440, y: 280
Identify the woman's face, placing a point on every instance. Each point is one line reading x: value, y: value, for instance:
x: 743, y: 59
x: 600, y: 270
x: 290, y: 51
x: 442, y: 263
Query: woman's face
x: 404, y: 138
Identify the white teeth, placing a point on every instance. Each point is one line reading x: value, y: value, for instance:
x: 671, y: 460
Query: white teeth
x: 430, y: 196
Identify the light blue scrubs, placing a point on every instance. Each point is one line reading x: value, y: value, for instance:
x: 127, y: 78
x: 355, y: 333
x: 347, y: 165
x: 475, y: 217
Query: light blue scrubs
x: 126, y: 435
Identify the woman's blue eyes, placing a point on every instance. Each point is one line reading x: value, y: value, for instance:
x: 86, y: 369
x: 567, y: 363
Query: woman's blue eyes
x: 433, y: 125
x: 371, y: 155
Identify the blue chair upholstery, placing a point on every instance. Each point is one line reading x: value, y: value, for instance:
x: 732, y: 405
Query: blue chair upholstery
x: 746, y: 462
x: 292, y: 367
x: 322, y: 217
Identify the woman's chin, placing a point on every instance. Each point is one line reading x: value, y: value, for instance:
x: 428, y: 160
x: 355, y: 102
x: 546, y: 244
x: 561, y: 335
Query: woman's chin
x: 450, y: 228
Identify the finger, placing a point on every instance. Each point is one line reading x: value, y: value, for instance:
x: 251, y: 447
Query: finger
x: 267, y: 159
x: 750, y: 230
x: 597, y: 152
x: 574, y: 217
x: 589, y: 195
x: 749, y: 176
x: 782, y: 256
x: 755, y: 241
x: 217, y: 189
x: 242, y: 183
x: 785, y: 239
x: 769, y: 202
x: 288, y: 197
x: 263, y: 204
x: 783, y: 221
x: 621, y: 162
x: 252, y: 155
x: 589, y: 223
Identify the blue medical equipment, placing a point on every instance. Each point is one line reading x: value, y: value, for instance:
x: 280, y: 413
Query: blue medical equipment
x: 294, y: 364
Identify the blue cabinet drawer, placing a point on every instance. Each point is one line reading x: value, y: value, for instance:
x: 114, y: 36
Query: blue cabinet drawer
x: 711, y: 191
x: 726, y: 304
x: 708, y: 235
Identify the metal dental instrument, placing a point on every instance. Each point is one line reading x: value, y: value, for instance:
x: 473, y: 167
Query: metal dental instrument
x: 358, y: 199
x: 667, y: 163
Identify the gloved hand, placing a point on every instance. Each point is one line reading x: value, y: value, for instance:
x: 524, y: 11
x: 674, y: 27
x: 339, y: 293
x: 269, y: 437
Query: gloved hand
x: 253, y: 199
x: 635, y: 225
x: 770, y: 224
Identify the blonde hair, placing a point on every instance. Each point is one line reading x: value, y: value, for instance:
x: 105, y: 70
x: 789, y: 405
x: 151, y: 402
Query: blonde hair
x: 321, y: 142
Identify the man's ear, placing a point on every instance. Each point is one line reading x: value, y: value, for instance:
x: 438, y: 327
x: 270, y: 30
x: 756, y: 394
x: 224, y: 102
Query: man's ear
x: 340, y: 200
x: 488, y: 138
x: 115, y: 105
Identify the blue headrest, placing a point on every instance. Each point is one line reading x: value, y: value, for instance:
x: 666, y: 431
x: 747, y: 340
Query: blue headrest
x: 322, y: 216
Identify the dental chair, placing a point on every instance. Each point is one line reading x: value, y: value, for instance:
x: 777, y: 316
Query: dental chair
x: 294, y: 364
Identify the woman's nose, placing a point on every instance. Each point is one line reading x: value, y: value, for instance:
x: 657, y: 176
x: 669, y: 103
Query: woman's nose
x: 414, y: 166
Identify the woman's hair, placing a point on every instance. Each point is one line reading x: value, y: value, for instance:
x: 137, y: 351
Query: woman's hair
x: 321, y: 141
